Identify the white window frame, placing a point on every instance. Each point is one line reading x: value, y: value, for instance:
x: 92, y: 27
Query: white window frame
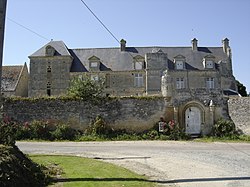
x: 210, y: 83
x: 180, y: 83
x: 138, y: 80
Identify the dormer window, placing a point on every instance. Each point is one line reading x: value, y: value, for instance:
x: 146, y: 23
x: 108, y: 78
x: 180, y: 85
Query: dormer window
x: 179, y: 61
x: 94, y: 63
x: 139, y: 62
x: 208, y: 62
x: 179, y: 64
x: 50, y: 51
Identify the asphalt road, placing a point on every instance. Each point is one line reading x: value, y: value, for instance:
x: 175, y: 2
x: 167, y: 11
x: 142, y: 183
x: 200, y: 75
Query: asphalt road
x: 169, y: 163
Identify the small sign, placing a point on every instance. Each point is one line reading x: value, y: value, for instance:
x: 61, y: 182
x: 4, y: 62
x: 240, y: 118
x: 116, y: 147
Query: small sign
x: 161, y: 126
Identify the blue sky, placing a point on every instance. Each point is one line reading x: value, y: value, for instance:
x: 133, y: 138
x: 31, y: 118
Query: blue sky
x: 139, y: 22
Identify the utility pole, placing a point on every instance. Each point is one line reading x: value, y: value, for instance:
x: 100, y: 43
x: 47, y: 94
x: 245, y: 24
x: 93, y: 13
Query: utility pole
x: 3, y: 4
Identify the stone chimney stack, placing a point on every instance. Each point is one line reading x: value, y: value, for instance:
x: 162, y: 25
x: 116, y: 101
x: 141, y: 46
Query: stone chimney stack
x: 123, y: 45
x: 225, y: 44
x: 194, y: 44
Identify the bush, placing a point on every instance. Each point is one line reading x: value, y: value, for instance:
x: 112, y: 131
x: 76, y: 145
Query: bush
x: 45, y: 130
x: 18, y: 170
x: 63, y: 132
x: 224, y: 128
x: 8, y: 131
x: 86, y: 89
x: 172, y: 131
x: 99, y: 128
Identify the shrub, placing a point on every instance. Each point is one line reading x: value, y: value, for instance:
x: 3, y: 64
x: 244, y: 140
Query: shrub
x: 99, y: 127
x: 63, y: 132
x: 8, y: 131
x: 172, y: 131
x: 224, y: 128
x: 86, y: 89
x: 45, y: 130
x: 16, y: 169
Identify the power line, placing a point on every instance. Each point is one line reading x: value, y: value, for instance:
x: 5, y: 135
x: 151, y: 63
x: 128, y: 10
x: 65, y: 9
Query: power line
x: 100, y: 21
x: 28, y: 29
x: 103, y: 24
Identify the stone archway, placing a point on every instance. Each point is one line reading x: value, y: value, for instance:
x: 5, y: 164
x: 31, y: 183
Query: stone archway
x: 193, y: 120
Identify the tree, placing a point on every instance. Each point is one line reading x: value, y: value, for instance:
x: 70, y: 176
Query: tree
x: 241, y: 89
x: 86, y: 88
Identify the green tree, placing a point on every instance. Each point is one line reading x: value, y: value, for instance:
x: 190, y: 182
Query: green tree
x: 241, y: 89
x: 85, y: 88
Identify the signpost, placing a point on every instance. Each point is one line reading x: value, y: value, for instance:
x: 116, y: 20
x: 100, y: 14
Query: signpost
x: 3, y: 4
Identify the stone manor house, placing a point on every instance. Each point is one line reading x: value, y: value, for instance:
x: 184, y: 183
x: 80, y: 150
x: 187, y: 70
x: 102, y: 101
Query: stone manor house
x: 192, y: 79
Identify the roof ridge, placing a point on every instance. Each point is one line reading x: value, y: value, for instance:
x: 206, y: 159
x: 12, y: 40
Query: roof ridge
x: 13, y: 65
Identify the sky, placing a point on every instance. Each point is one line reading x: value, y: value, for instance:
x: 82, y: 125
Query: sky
x: 30, y: 24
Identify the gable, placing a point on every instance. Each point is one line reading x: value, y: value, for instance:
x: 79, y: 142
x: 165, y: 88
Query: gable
x: 179, y: 57
x: 94, y: 58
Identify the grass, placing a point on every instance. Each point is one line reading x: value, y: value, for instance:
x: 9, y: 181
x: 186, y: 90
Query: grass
x: 77, y: 171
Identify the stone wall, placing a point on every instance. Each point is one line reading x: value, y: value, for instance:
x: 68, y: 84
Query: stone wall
x: 132, y: 114
x: 239, y: 110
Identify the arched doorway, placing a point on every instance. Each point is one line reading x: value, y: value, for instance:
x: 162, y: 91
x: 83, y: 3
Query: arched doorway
x: 193, y: 120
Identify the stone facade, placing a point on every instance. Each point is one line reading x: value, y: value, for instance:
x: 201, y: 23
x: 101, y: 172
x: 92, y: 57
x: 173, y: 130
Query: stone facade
x: 191, y: 79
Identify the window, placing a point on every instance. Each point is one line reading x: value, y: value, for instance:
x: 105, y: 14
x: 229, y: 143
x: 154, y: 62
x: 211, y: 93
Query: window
x: 94, y: 77
x: 50, y: 51
x: 93, y: 64
x: 138, y: 62
x: 138, y: 65
x: 209, y: 64
x: 48, y: 89
x: 138, y: 80
x: 179, y: 64
x: 180, y: 84
x: 210, y: 83
x: 179, y: 61
x: 49, y: 69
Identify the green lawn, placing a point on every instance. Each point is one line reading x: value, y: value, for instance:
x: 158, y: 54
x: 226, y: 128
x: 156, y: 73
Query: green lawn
x: 79, y: 171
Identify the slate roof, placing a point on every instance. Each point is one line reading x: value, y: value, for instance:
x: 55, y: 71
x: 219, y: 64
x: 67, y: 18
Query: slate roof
x: 10, y: 77
x: 116, y: 60
x: 59, y: 46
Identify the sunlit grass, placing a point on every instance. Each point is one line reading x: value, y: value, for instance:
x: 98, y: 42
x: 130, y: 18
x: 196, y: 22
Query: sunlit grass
x: 77, y: 171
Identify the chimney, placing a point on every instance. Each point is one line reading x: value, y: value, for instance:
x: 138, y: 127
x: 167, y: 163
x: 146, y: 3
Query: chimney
x: 194, y: 44
x: 225, y: 44
x: 123, y: 45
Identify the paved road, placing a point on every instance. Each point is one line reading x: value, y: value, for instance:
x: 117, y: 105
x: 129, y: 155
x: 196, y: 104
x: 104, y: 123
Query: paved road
x: 169, y: 163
